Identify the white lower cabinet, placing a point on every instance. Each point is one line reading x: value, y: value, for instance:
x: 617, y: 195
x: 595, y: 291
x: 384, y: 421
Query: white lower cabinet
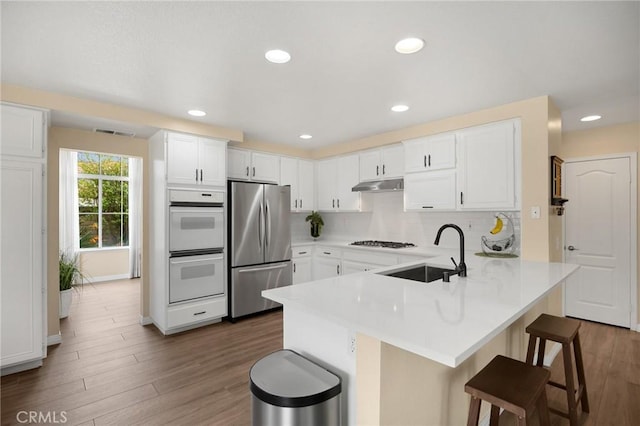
x: 327, y: 262
x: 301, y: 262
x: 349, y: 267
x: 181, y: 315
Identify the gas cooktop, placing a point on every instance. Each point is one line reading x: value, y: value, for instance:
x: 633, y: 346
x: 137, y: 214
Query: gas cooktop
x: 385, y: 244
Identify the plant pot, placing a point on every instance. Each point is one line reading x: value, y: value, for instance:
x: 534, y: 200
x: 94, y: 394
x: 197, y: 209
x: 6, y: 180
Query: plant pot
x: 315, y: 230
x: 65, y: 303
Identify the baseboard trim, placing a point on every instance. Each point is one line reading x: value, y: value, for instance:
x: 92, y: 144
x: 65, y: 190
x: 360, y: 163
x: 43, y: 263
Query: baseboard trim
x: 145, y: 320
x: 20, y: 367
x: 103, y: 278
x: 54, y: 339
x: 637, y: 328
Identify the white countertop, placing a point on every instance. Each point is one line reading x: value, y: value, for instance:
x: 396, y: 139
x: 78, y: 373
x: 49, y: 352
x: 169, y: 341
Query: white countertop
x: 444, y: 322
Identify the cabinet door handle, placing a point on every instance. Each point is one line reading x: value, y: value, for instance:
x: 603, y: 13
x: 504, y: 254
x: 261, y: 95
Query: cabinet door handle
x: 296, y: 204
x: 196, y: 175
x: 461, y: 198
x: 200, y: 175
x: 326, y: 252
x: 383, y: 167
x: 247, y: 171
x: 302, y: 252
x: 254, y: 172
x: 300, y: 202
x: 427, y: 207
x: 338, y: 202
x: 199, y: 313
x: 377, y: 170
x: 338, y: 269
x: 429, y: 160
x: 425, y: 161
x: 294, y: 268
x: 333, y: 203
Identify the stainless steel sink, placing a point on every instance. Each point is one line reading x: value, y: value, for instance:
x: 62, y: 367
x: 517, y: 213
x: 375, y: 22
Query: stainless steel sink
x: 423, y: 273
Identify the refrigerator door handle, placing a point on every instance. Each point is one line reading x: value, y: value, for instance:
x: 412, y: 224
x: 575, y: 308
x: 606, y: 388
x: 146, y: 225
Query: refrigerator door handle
x: 260, y: 226
x: 263, y: 268
x: 267, y: 219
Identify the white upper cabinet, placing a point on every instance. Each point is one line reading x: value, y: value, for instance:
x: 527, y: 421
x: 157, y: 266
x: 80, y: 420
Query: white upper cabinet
x: 299, y: 175
x: 192, y: 160
x: 430, y: 153
x: 23, y: 131
x: 336, y: 177
x: 253, y: 166
x: 430, y: 190
x: 384, y: 163
x: 487, y: 166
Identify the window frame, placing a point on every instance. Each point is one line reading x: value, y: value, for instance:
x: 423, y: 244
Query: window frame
x: 100, y: 178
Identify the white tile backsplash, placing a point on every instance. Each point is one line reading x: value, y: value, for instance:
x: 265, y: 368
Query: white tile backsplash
x: 388, y: 221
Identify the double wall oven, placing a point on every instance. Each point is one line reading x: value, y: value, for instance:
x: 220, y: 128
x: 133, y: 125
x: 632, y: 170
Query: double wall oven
x: 196, y: 245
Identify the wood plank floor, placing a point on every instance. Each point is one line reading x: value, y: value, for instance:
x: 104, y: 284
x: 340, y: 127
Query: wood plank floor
x: 111, y: 370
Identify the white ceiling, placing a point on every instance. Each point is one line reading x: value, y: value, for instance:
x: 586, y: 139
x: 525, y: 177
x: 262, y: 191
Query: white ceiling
x: 344, y: 75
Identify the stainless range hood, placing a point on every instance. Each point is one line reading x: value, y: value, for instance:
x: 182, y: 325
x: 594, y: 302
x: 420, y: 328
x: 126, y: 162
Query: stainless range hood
x: 380, y: 185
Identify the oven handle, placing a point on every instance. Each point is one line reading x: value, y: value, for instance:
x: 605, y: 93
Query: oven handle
x: 179, y: 261
x: 263, y: 268
x: 198, y: 210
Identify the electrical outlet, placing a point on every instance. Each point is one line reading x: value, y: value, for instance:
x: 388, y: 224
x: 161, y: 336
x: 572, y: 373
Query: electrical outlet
x: 351, y: 344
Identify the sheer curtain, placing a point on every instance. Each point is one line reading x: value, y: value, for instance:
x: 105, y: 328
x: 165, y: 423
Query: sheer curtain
x: 135, y: 217
x: 68, y: 202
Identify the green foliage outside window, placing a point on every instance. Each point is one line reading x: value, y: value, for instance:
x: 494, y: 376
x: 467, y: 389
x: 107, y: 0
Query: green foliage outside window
x: 103, y: 200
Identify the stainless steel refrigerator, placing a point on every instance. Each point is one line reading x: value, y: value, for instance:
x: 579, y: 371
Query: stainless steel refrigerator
x: 259, y: 244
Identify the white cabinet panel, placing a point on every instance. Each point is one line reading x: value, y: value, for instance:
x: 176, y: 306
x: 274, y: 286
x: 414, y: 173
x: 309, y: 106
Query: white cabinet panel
x: 487, y: 166
x: 301, y: 269
x: 265, y: 167
x: 430, y: 190
x: 430, y: 153
x: 327, y: 174
x: 212, y: 156
x: 239, y: 164
x: 299, y: 175
x: 370, y: 165
x: 348, y: 177
x: 23, y: 131
x: 326, y: 267
x: 22, y: 262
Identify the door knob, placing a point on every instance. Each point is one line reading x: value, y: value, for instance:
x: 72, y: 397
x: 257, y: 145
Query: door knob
x: 572, y: 248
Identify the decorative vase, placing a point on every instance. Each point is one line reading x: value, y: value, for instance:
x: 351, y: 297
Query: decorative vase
x: 315, y: 230
x: 65, y: 303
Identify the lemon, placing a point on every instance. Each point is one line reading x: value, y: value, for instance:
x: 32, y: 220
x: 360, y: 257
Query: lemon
x: 498, y: 227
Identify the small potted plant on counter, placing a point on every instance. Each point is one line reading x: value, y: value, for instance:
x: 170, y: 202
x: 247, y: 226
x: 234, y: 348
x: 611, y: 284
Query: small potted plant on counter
x: 70, y: 275
x: 316, y: 223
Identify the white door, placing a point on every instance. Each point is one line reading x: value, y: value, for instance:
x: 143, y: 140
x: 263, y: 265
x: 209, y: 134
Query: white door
x: 327, y: 184
x: 306, y: 185
x: 213, y: 162
x: 265, y: 167
x: 238, y: 164
x: 392, y: 161
x: 598, y: 238
x: 348, y: 177
x: 370, y: 165
x: 182, y: 154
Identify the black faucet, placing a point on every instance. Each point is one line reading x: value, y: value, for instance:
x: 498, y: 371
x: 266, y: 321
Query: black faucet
x: 461, y: 268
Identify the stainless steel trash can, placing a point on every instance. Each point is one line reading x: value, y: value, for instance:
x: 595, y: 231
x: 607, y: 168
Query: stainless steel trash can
x: 290, y: 390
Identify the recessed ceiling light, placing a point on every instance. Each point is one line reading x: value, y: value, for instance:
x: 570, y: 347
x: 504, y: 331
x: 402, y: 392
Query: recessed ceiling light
x: 399, y: 108
x: 196, y: 113
x: 305, y: 136
x: 409, y: 45
x: 277, y: 56
x: 591, y: 118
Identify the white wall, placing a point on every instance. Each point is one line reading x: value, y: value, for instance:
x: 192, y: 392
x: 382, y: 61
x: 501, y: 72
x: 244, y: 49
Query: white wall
x: 388, y: 221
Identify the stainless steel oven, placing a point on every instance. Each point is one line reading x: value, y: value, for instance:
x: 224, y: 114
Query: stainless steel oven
x: 196, y: 245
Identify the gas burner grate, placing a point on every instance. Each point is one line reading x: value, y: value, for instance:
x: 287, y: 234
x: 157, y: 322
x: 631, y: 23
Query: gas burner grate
x: 385, y: 244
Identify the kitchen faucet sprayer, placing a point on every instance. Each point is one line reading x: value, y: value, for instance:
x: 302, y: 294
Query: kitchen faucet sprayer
x: 460, y: 268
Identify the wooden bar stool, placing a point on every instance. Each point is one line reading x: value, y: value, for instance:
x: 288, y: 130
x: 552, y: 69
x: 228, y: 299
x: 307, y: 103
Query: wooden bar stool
x: 564, y: 331
x: 512, y: 385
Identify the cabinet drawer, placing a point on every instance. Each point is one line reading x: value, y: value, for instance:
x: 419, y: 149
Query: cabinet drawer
x: 362, y: 256
x: 182, y: 315
x: 301, y: 251
x: 328, y: 252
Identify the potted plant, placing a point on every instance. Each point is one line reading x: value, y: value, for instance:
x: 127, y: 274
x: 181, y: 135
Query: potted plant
x: 316, y: 223
x: 70, y: 275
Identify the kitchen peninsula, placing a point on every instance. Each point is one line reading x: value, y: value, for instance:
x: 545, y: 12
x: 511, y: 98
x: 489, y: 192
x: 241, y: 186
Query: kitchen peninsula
x: 405, y: 348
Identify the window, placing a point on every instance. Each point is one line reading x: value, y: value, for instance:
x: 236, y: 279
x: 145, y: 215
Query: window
x: 103, y: 200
